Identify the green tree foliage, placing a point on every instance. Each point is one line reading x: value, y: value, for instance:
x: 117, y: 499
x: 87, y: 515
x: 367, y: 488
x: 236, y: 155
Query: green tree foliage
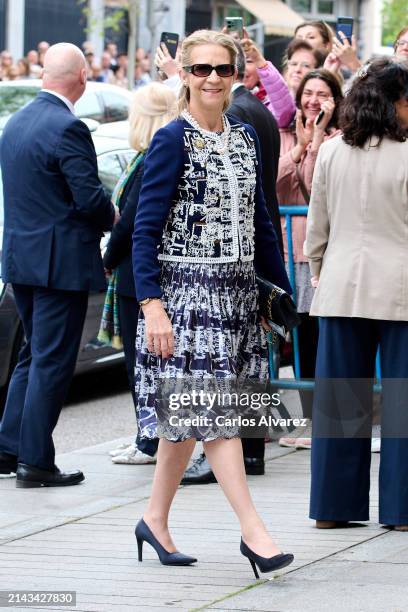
x: 110, y: 22
x: 395, y: 16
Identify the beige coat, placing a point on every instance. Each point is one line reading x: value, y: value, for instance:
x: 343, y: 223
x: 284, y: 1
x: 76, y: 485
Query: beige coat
x: 357, y: 231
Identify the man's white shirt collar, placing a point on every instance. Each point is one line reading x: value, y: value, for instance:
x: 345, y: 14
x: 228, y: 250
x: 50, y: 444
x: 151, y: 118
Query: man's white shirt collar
x: 63, y: 98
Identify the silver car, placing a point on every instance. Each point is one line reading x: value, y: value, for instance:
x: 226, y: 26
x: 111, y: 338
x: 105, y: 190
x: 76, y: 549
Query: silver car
x: 101, y: 101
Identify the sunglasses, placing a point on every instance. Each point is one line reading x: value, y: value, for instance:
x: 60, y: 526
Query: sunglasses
x: 204, y: 70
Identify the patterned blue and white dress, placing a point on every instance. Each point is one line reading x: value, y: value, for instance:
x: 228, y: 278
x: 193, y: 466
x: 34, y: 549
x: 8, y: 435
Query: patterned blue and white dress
x: 207, y: 279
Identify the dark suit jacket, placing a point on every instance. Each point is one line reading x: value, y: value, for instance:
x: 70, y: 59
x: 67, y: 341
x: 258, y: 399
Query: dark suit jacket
x: 119, y: 250
x: 55, y: 208
x: 246, y: 107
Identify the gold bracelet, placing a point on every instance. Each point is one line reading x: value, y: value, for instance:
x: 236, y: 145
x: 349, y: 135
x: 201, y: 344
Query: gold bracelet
x: 147, y: 300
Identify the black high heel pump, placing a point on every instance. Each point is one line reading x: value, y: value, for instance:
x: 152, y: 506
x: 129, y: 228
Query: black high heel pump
x: 265, y: 564
x: 144, y: 534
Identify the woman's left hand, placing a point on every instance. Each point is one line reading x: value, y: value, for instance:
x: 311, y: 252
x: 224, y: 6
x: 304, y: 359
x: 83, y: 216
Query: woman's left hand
x: 314, y: 281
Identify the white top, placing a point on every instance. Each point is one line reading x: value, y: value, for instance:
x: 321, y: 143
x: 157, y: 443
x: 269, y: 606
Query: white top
x: 63, y: 98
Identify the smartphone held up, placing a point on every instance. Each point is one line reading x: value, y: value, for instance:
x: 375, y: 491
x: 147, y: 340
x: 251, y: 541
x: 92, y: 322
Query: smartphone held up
x: 344, y: 25
x: 235, y: 25
x: 171, y: 40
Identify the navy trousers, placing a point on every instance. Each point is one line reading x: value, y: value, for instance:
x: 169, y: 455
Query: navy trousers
x: 53, y: 321
x: 341, y: 467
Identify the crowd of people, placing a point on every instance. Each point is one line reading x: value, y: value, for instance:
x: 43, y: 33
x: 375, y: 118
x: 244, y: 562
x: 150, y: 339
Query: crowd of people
x: 27, y: 67
x: 317, y: 68
x: 110, y: 67
x: 221, y: 142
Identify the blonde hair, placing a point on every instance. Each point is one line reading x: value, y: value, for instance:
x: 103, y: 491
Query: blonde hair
x: 203, y: 37
x: 152, y: 107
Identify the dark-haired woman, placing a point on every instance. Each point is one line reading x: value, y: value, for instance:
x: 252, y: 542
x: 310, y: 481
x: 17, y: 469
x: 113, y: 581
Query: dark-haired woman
x: 357, y: 244
x: 318, y: 91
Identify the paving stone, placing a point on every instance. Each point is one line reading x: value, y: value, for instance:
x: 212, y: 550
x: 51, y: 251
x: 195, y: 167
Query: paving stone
x: 82, y: 538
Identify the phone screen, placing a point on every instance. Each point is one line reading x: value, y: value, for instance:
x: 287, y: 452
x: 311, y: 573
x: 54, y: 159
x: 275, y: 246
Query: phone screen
x: 345, y: 25
x: 171, y: 41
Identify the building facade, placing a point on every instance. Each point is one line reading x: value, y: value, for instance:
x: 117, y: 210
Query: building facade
x: 26, y: 22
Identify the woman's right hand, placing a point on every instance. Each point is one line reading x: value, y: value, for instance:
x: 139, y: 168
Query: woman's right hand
x: 304, y: 132
x: 159, y: 330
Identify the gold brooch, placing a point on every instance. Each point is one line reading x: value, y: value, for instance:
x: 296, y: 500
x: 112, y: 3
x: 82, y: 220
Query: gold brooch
x: 199, y: 143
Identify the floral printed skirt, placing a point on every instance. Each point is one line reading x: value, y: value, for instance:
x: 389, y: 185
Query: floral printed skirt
x: 218, y: 338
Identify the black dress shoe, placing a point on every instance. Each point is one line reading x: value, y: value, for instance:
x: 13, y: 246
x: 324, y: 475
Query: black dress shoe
x: 8, y: 463
x: 29, y: 477
x: 254, y: 466
x: 199, y: 472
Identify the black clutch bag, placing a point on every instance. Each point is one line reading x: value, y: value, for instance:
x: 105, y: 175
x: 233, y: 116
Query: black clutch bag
x: 277, y: 306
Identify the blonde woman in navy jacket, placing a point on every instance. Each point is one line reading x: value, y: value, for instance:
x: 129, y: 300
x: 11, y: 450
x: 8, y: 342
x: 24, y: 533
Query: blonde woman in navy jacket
x: 201, y: 230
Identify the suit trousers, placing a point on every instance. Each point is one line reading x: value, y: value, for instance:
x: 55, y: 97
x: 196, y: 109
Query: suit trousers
x: 52, y: 321
x: 128, y: 312
x: 341, y: 467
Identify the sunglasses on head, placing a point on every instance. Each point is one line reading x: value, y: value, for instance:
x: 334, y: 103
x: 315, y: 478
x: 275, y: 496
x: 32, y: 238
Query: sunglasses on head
x: 204, y: 70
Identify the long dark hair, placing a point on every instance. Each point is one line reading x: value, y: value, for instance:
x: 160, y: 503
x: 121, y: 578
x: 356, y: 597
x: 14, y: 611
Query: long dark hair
x: 332, y: 82
x: 368, y: 109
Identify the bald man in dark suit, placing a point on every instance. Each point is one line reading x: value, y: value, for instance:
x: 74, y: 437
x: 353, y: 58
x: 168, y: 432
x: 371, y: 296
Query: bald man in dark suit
x: 55, y: 213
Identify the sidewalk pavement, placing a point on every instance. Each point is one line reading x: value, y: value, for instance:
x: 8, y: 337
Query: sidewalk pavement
x: 81, y: 539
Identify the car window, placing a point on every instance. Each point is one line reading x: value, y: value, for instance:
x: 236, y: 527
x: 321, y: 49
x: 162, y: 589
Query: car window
x: 14, y: 98
x: 90, y: 106
x: 116, y: 106
x: 109, y: 169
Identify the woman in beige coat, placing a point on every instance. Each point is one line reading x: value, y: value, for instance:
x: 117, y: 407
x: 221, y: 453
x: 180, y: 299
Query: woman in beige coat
x: 357, y: 245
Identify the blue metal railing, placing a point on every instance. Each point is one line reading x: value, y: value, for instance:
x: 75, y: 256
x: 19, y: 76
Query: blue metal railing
x: 289, y: 212
x: 297, y: 382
